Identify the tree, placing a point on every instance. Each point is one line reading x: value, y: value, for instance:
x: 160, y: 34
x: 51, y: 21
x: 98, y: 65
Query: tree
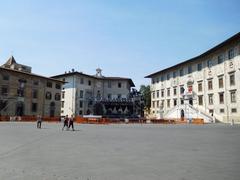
x: 146, y: 93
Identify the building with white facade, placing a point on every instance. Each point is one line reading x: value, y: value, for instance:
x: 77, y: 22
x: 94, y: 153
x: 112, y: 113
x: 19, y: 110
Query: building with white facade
x: 85, y: 94
x: 206, y: 86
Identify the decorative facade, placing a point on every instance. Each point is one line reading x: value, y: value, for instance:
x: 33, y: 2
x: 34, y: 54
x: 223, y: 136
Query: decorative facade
x: 205, y: 86
x: 96, y: 94
x: 24, y: 93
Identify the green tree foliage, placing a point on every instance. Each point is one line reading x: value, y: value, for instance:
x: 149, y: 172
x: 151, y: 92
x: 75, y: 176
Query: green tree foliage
x: 146, y: 93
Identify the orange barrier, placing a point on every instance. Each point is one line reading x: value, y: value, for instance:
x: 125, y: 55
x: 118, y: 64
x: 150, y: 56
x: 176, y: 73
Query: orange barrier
x: 82, y: 120
x: 28, y: 118
x: 197, y: 121
x: 4, y: 118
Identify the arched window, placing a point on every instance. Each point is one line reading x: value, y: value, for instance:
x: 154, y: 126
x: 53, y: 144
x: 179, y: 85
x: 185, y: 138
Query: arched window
x: 57, y: 96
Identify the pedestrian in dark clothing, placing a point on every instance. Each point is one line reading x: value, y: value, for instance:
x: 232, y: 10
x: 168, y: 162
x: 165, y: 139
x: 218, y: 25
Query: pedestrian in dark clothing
x: 39, y: 122
x: 71, y: 120
x: 65, y: 122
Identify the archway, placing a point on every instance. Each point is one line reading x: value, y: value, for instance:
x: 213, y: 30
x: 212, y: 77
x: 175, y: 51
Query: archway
x: 52, y: 109
x: 182, y: 114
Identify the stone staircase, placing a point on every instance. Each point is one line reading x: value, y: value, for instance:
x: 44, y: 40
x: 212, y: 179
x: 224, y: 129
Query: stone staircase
x: 189, y: 113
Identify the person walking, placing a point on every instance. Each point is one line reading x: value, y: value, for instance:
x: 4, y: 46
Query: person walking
x: 71, y: 120
x: 65, y: 122
x: 39, y: 122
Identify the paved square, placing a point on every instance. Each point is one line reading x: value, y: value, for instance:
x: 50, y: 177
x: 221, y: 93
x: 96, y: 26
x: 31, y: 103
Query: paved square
x: 119, y: 152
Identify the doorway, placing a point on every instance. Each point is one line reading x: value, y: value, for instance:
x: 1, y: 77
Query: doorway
x: 52, y: 109
x: 191, y: 101
x: 19, y: 109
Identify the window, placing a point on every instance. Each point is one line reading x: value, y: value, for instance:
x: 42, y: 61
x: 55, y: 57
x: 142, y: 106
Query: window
x: 162, y: 78
x: 162, y: 93
x: 157, y: 80
x: 209, y: 63
x: 168, y: 92
x: 200, y: 100
x: 234, y: 110
x: 174, y: 74
x: 109, y: 84
x: 34, y: 107
x: 80, y: 104
x: 157, y: 104
x: 182, y: 101
x: 181, y: 72
x: 58, y: 86
x: 189, y: 69
x: 175, y: 91
x: 153, y: 104
x: 63, y: 94
x: 221, y: 98
x: 98, y: 96
x: 81, y: 80
x: 210, y: 85
x: 220, y: 59
x: 153, y: 81
x: 81, y: 93
x: 222, y: 110
x: 162, y: 104
x: 57, y: 97
x: 231, y: 53
x: 232, y: 79
x: 168, y: 76
x: 48, y: 95
x: 80, y: 112
x: 210, y: 99
x: 168, y: 103
x: 89, y: 82
x: 49, y: 84
x: 200, y: 87
x: 119, y: 85
x: 153, y: 94
x: 35, y: 94
x: 199, y: 67
x: 157, y: 93
x: 182, y: 89
x: 175, y: 102
x: 211, y: 111
x: 4, y: 91
x: 5, y: 77
x: 220, y: 82
x: 62, y: 104
x: 35, y: 83
x: 109, y: 96
x: 233, y: 96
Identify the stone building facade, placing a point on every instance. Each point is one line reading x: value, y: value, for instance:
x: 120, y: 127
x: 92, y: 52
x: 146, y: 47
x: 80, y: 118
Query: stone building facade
x: 85, y: 94
x: 205, y: 86
x: 24, y: 93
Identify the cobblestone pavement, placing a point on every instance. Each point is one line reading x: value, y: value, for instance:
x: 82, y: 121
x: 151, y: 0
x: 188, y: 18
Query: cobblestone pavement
x: 119, y: 152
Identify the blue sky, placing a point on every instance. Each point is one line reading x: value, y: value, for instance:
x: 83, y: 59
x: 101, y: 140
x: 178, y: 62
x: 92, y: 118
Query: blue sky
x: 128, y: 38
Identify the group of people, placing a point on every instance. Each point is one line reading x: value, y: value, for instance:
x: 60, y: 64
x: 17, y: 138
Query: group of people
x: 67, y: 122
